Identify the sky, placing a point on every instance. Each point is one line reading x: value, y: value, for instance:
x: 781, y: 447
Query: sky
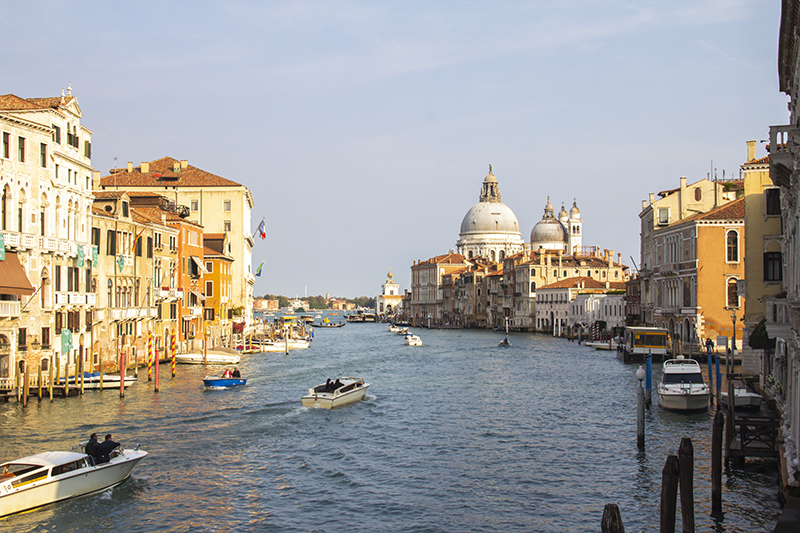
x: 364, y: 129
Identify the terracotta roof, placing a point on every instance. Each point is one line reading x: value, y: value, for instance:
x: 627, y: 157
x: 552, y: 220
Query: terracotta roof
x: 450, y: 258
x: 731, y: 210
x: 10, y: 102
x: 162, y: 174
x: 762, y: 161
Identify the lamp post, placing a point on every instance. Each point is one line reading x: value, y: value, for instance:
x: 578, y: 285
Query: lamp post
x: 640, y: 375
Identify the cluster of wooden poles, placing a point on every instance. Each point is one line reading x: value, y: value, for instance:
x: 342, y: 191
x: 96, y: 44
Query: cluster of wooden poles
x: 53, y: 380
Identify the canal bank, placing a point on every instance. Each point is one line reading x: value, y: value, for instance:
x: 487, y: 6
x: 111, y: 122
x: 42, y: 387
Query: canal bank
x: 455, y: 435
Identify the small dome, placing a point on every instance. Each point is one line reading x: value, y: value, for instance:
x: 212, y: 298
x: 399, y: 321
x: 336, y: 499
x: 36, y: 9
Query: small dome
x: 574, y: 211
x: 562, y: 215
x: 548, y: 231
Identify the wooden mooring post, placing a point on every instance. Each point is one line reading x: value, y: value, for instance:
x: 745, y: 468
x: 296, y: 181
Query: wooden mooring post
x: 716, y: 464
x: 612, y: 519
x: 686, y: 465
x: 669, y: 493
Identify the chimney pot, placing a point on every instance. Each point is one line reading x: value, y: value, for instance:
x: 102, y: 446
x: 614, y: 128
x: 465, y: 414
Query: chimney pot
x: 184, y: 163
x: 145, y: 167
x: 130, y: 166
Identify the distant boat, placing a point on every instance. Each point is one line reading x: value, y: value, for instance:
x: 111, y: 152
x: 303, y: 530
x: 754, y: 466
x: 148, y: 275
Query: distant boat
x: 91, y: 380
x: 216, y: 382
x: 209, y: 358
x: 351, y: 390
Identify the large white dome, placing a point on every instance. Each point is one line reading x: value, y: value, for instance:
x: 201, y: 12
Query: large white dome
x: 490, y: 217
x: 490, y: 228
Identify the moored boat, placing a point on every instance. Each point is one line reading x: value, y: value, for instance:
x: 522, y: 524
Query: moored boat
x: 50, y: 477
x: 91, y: 380
x: 329, y: 395
x: 208, y: 358
x: 682, y: 387
x: 742, y: 398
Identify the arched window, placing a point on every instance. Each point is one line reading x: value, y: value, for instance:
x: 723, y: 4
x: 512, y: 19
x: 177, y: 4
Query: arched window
x: 533, y: 286
x: 733, y: 297
x: 502, y: 254
x: 698, y: 194
x: 733, y: 246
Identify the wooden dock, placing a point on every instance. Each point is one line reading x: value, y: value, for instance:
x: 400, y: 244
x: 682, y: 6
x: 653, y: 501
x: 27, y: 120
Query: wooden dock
x: 756, y: 436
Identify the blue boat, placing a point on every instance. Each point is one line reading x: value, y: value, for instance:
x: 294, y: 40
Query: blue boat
x: 213, y: 382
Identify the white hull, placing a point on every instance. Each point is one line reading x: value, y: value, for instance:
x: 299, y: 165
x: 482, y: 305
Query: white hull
x: 68, y: 485
x: 93, y: 382
x: 677, y: 401
x: 742, y: 398
x: 413, y: 340
x: 280, y: 346
x: 330, y: 400
x: 211, y: 359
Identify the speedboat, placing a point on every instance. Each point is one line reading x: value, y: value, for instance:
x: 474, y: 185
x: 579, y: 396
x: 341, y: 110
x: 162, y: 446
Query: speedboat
x: 393, y: 329
x: 403, y: 331
x: 209, y: 358
x: 50, y: 477
x: 682, y: 387
x: 610, y: 344
x: 413, y: 340
x: 742, y: 398
x: 327, y: 396
x: 219, y: 382
x: 504, y: 343
x: 91, y: 380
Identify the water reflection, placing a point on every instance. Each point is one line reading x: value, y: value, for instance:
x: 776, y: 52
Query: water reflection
x: 456, y: 435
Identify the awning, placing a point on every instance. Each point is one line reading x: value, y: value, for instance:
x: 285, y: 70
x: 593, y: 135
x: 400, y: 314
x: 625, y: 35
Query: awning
x: 12, y: 277
x: 199, y: 264
x: 200, y: 295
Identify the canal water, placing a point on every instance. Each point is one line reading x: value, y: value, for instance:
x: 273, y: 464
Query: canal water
x: 456, y: 435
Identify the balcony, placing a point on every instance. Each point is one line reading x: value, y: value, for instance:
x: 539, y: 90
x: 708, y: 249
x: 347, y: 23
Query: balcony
x: 778, y: 313
x: 48, y: 244
x: 132, y: 313
x: 781, y: 138
x: 9, y: 309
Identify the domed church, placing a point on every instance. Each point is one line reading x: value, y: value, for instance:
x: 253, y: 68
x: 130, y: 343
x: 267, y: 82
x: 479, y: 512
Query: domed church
x: 490, y: 228
x: 562, y: 233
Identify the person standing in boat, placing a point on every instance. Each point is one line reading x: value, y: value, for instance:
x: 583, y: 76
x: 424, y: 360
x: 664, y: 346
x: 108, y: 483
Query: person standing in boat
x: 104, y: 449
x: 91, y: 447
x: 236, y: 372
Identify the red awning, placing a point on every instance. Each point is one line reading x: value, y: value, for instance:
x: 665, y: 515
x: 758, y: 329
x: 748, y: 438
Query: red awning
x: 12, y: 277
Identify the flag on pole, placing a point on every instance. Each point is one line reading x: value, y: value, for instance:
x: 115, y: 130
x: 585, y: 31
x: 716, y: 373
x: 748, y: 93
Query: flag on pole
x: 258, y: 270
x: 262, y: 232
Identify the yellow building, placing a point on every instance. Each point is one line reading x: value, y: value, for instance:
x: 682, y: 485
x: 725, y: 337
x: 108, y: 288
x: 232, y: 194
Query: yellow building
x: 763, y: 259
x: 218, y: 287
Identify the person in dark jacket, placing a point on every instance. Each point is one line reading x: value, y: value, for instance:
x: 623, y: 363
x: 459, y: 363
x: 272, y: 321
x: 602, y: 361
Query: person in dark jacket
x: 91, y: 446
x: 105, y: 448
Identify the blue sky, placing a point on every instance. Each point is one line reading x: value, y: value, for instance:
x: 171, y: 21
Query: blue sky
x: 364, y: 129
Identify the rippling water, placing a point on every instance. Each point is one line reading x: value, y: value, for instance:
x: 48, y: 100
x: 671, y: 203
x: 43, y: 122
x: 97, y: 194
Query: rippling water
x: 456, y: 435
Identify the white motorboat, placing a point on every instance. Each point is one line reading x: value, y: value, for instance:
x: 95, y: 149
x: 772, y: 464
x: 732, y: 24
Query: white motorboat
x: 403, y: 331
x: 329, y: 395
x: 211, y: 358
x: 682, y: 387
x: 393, y: 329
x: 50, y: 477
x: 413, y: 340
x: 610, y: 344
x: 91, y: 380
x: 742, y: 398
x: 282, y: 345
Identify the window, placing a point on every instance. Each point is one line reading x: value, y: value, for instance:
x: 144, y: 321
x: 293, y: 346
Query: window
x: 149, y: 247
x: 22, y: 339
x: 209, y: 267
x: 733, y: 296
x: 226, y: 205
x: 209, y: 289
x: 58, y: 278
x: 663, y: 216
x: 195, y: 205
x: 96, y: 236
x: 125, y: 209
x: 773, y: 270
x: 227, y: 225
x: 87, y: 149
x: 773, y: 202
x: 46, y: 338
x: 21, y: 149
x: 43, y: 155
x: 6, y: 145
x: 56, y: 134
x: 732, y: 245
x: 698, y: 194
x: 111, y: 242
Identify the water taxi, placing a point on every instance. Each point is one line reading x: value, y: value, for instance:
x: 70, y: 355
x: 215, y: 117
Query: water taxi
x: 330, y: 395
x: 413, y: 340
x: 50, y: 477
x: 210, y: 358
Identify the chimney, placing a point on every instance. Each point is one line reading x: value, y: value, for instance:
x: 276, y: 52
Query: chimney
x: 96, y: 180
x: 652, y: 198
x: 683, y: 182
x: 130, y: 167
x: 644, y: 205
x: 176, y: 167
x: 611, y: 258
x: 751, y: 150
x: 145, y: 167
x: 184, y: 163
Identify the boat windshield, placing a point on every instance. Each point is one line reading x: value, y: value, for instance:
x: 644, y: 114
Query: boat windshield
x: 17, y: 469
x: 682, y: 378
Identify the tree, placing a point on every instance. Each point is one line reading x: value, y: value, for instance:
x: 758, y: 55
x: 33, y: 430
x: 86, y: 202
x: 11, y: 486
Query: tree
x: 759, y: 339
